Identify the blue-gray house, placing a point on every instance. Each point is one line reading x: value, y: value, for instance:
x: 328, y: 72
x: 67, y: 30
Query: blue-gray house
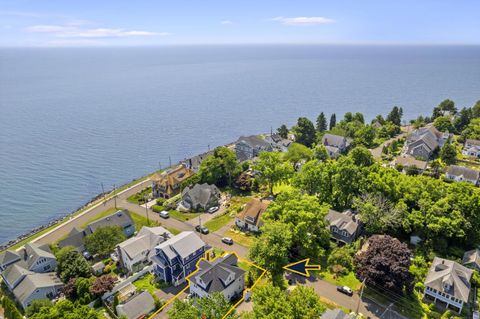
x: 177, y: 257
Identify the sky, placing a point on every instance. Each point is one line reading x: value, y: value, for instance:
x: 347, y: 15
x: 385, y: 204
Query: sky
x: 39, y: 23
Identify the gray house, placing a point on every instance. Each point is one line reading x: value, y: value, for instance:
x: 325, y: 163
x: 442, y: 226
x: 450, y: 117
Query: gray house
x: 248, y: 147
x: 278, y: 143
x: 471, y: 259
x: 462, y: 174
x: 137, y: 306
x: 200, y: 197
x: 344, y: 227
x: 335, y: 144
x: 422, y: 142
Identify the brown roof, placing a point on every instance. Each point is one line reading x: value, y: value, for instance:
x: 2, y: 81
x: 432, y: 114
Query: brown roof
x: 254, y: 209
x: 172, y: 177
x: 410, y: 161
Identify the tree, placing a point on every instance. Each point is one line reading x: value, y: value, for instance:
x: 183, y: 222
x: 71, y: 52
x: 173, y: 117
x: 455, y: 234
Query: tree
x: 65, y: 309
x: 361, y: 156
x: 448, y: 153
x: 476, y: 110
x: 320, y: 152
x: 365, y: 135
x: 377, y: 213
x: 70, y: 264
x: 321, y: 123
x: 395, y: 116
x: 385, y: 263
x: 271, y: 303
x: 340, y: 256
x: 271, y: 249
x: 296, y: 153
x: 214, y: 306
x: 358, y: 117
x: 443, y: 124
x: 219, y: 167
x: 283, y: 131
x: 305, y: 303
x: 82, y: 290
x: 10, y: 309
x: 444, y: 106
x: 183, y: 309
x: 102, y: 285
x: 462, y: 120
x: 272, y: 170
x: 69, y: 289
x: 36, y: 305
x: 472, y: 130
x: 348, y: 117
x: 104, y: 240
x: 333, y: 121
x: 305, y: 132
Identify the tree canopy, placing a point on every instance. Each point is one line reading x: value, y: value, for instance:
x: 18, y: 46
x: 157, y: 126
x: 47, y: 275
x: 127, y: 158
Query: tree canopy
x: 219, y: 167
x: 104, y: 240
x: 214, y: 306
x: 305, y: 132
x: 71, y: 264
x: 321, y: 123
x: 272, y: 170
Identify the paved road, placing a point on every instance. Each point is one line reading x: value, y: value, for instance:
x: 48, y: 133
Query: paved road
x: 377, y: 151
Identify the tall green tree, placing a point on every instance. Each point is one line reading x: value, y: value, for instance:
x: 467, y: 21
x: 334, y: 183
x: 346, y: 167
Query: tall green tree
x: 104, y: 240
x: 333, y: 121
x: 444, y: 106
x: 462, y: 120
x: 320, y: 152
x: 476, y: 110
x: 443, y: 124
x: 365, y: 135
x: 283, y: 131
x: 448, y: 153
x: 214, y: 306
x: 361, y: 156
x: 472, y: 130
x: 271, y: 303
x: 297, y: 153
x: 395, y: 116
x: 378, y: 214
x: 305, y: 303
x: 321, y: 123
x: 70, y: 264
x: 65, y: 309
x: 305, y: 132
x: 272, y: 170
x: 359, y: 117
x: 219, y: 167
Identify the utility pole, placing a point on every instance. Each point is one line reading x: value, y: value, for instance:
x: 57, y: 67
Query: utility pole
x: 170, y: 160
x: 104, y: 195
x: 200, y: 225
x: 360, y: 296
x: 160, y: 165
x: 146, y: 209
x: 115, y: 195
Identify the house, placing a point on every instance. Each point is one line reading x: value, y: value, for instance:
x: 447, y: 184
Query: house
x: 336, y: 314
x: 30, y: 275
x: 248, y: 147
x: 250, y: 217
x: 137, y: 306
x: 76, y: 237
x: 167, y: 184
x: 448, y: 284
x: 8, y: 258
x: 193, y: 163
x: 422, y: 142
x: 177, y: 257
x: 136, y: 252
x: 335, y: 144
x: 344, y: 227
x: 471, y: 148
x: 222, y: 275
x: 409, y: 162
x: 462, y: 174
x: 277, y: 142
x: 200, y: 197
x: 471, y: 259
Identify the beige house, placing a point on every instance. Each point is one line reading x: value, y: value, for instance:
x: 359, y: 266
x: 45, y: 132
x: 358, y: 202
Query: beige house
x: 167, y: 184
x: 250, y: 217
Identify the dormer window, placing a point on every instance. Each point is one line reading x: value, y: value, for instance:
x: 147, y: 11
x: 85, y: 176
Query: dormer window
x: 446, y: 287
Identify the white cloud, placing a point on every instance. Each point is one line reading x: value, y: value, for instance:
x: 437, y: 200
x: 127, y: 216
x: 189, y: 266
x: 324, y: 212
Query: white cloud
x: 303, y: 20
x: 76, y: 31
x: 226, y: 22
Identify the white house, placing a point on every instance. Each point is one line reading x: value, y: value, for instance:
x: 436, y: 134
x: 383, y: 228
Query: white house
x: 471, y: 148
x: 462, y: 174
x: 136, y: 252
x: 448, y: 284
x: 249, y: 218
x: 222, y: 275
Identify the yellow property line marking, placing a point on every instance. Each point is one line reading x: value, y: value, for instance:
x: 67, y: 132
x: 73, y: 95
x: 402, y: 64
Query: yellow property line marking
x: 193, y: 273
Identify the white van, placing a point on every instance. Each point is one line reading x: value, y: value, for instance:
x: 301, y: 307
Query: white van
x: 164, y: 214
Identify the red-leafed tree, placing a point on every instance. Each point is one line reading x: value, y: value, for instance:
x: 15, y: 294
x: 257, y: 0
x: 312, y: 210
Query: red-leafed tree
x: 102, y: 285
x: 385, y: 263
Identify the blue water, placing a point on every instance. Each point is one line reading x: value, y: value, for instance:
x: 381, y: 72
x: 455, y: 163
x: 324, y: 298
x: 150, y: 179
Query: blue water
x: 71, y: 119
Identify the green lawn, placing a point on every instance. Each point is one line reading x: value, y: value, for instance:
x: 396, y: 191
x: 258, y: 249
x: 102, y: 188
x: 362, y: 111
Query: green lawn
x: 218, y: 222
x: 183, y: 216
x: 348, y: 280
x: 139, y: 197
x: 149, y: 284
x: 240, y: 237
x: 141, y: 221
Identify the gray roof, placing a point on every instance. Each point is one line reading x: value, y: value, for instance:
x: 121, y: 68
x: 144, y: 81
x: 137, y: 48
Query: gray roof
x: 140, y: 304
x: 472, y: 257
x: 200, y: 194
x: 343, y: 221
x: 121, y: 218
x: 472, y: 142
x: 335, y: 314
x: 183, y: 244
x: 146, y: 240
x: 34, y: 251
x: 215, y: 274
x: 427, y: 135
x: 75, y: 239
x: 255, y: 142
x: 334, y: 140
x: 33, y: 282
x: 468, y: 173
x: 8, y: 257
x: 410, y: 161
x: 14, y: 272
x: 449, y: 277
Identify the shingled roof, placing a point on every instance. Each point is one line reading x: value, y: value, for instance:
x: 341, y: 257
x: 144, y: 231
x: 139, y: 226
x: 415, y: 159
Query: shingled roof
x: 215, y: 274
x: 183, y: 244
x: 253, y: 210
x: 343, y: 221
x: 466, y: 172
x: 121, y: 218
x: 146, y: 240
x: 472, y: 257
x: 449, y: 277
x: 200, y: 194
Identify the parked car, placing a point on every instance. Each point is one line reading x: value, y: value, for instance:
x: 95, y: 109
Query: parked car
x: 227, y: 240
x: 87, y: 255
x: 213, y: 209
x: 202, y: 229
x: 164, y: 214
x: 345, y: 290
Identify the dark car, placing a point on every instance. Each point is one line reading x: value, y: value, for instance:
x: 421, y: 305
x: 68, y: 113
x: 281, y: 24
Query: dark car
x: 345, y: 290
x: 202, y: 229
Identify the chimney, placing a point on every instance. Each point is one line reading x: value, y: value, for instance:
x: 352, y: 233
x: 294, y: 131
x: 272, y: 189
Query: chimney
x: 25, y: 256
